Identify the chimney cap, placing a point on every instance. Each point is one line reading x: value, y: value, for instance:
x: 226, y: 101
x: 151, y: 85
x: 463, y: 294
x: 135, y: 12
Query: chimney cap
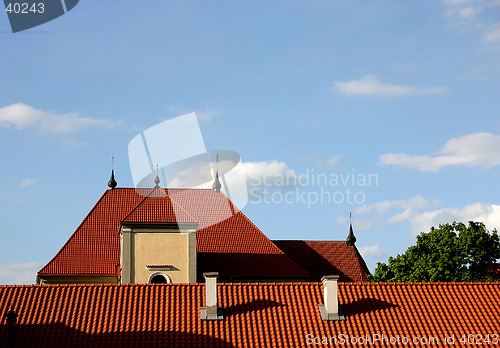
x: 330, y: 277
x: 210, y: 274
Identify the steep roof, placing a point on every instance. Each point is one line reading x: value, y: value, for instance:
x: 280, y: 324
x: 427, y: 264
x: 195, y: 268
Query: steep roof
x: 226, y: 239
x: 255, y: 314
x: 157, y: 207
x: 326, y: 257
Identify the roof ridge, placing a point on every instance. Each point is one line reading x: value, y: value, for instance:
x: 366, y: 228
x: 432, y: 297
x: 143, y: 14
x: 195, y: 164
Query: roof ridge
x: 165, y: 192
x: 258, y: 284
x: 179, y: 205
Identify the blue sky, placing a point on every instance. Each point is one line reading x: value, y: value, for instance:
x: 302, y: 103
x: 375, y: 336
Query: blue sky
x: 407, y: 92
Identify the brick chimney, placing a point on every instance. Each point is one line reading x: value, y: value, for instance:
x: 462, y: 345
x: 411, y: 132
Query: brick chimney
x: 211, y: 311
x: 331, y: 309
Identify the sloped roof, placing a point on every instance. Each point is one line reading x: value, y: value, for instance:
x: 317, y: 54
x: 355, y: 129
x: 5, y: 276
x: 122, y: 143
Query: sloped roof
x: 157, y: 207
x: 255, y: 314
x: 326, y: 257
x: 226, y: 239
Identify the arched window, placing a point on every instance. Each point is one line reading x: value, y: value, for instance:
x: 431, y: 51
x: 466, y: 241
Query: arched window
x: 159, y: 277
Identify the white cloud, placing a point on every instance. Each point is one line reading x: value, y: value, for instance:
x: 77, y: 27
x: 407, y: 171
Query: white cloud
x: 467, y: 12
x: 421, y: 214
x: 264, y: 174
x: 329, y: 162
x: 493, y: 34
x: 386, y: 212
x: 22, y: 116
x: 455, y: 2
x: 202, y: 114
x: 370, y: 85
x: 476, y: 149
x: 28, y: 182
x: 372, y: 251
x: 19, y: 273
x: 415, y: 203
x: 269, y: 174
x: 476, y: 74
x: 489, y: 214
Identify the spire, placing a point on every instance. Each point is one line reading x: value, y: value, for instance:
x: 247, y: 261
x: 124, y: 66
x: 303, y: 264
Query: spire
x: 112, y: 182
x: 351, y: 239
x: 157, y: 179
x: 217, y: 185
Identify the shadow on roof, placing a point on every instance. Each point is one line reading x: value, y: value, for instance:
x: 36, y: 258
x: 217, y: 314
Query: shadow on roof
x: 365, y: 305
x: 255, y: 305
x: 60, y: 335
x: 311, y: 260
x: 237, y: 266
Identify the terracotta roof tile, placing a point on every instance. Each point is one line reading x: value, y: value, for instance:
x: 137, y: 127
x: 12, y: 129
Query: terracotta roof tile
x: 226, y: 239
x: 255, y: 314
x: 326, y: 257
x: 157, y: 207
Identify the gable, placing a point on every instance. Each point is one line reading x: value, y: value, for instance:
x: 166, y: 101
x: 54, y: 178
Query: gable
x: 227, y: 241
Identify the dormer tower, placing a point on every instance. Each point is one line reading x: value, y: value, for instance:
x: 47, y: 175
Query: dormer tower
x: 158, y: 242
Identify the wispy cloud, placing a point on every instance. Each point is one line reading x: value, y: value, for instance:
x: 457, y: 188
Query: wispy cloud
x: 329, y: 162
x: 22, y: 116
x: 385, y: 212
x: 422, y: 214
x: 476, y: 149
x: 455, y: 2
x: 493, y: 34
x: 467, y: 12
x: 476, y: 74
x: 415, y: 203
x: 202, y: 114
x: 372, y: 251
x: 19, y: 273
x: 370, y: 85
x: 28, y: 182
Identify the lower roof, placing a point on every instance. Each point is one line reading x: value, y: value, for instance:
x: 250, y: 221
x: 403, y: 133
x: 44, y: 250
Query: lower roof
x: 326, y: 257
x: 255, y: 314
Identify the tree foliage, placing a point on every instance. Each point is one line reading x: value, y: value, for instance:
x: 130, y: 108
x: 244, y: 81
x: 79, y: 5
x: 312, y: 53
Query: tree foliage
x: 450, y: 253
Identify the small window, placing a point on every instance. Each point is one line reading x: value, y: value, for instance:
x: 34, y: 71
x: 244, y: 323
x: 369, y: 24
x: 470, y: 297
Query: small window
x: 158, y: 278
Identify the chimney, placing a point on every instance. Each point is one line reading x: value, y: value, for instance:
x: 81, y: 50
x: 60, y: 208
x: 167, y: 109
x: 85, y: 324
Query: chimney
x: 330, y: 310
x: 11, y: 317
x: 211, y: 311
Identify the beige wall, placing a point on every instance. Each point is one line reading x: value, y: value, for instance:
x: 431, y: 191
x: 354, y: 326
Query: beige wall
x: 155, y: 246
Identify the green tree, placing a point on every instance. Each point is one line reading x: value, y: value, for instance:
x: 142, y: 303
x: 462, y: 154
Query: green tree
x: 450, y: 253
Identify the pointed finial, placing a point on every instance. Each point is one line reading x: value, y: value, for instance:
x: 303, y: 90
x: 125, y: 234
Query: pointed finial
x: 112, y: 182
x: 157, y: 179
x: 351, y: 239
x: 217, y: 185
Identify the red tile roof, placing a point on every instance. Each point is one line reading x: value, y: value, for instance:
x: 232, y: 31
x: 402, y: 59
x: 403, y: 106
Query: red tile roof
x: 227, y: 243
x: 157, y: 207
x: 326, y: 257
x: 255, y: 314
